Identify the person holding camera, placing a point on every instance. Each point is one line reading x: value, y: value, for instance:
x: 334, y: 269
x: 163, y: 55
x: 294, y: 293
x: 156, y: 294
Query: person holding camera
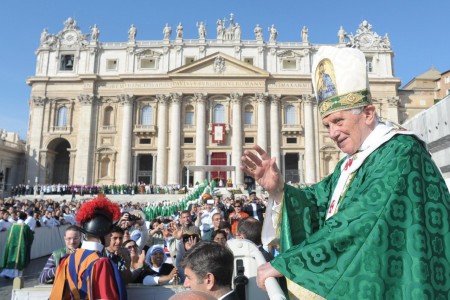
x: 255, y: 207
x: 204, y: 219
x: 135, y: 223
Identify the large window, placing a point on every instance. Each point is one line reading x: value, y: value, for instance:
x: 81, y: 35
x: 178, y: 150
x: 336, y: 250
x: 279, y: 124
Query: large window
x: 369, y: 62
x: 104, y: 167
x: 289, y: 64
x: 219, y: 114
x: 147, y: 115
x: 62, y: 117
x: 107, y: 118
x: 189, y: 116
x: 291, y: 115
x: 148, y: 63
x: 248, y: 115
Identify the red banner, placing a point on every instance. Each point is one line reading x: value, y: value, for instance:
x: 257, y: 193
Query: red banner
x: 218, y: 133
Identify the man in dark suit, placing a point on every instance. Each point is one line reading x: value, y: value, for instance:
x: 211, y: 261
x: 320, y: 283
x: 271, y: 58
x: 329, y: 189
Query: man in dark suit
x: 255, y: 207
x: 208, y: 267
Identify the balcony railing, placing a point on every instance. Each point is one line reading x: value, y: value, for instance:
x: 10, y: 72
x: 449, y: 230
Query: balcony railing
x: 108, y: 128
x: 292, y: 129
x: 61, y: 129
x: 140, y: 129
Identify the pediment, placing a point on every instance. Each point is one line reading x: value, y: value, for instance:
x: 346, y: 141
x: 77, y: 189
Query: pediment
x: 290, y: 54
x: 218, y: 64
x: 147, y: 53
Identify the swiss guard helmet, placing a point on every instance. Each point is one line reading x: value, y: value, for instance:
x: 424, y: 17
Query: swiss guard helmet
x: 96, y: 217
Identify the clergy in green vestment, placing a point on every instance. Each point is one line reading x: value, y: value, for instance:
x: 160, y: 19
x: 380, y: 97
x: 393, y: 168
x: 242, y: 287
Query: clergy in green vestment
x: 378, y: 226
x: 16, y: 253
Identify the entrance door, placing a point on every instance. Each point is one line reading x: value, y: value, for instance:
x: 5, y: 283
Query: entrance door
x: 60, y: 172
x: 145, y: 167
x: 219, y: 159
x: 291, y: 167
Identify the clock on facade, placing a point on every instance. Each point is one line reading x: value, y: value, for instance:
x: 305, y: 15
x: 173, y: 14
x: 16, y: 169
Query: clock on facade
x: 70, y: 37
x: 366, y: 40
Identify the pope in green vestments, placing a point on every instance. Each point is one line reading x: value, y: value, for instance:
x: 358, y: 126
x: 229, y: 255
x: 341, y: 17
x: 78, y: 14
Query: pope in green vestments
x: 389, y: 239
x: 16, y: 253
x: 378, y: 226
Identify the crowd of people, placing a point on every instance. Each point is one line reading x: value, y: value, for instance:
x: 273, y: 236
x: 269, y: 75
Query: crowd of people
x: 146, y: 251
x: 92, y: 190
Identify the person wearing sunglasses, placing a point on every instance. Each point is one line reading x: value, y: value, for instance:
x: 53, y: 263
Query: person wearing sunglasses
x: 137, y: 257
x: 237, y: 215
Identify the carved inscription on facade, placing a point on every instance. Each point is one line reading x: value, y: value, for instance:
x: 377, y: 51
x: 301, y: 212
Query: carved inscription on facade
x: 292, y: 85
x: 133, y: 85
x: 221, y: 84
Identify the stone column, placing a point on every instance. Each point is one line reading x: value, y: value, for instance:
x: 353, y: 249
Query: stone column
x: 275, y: 127
x: 161, y: 166
x: 261, y: 98
x: 34, y: 137
x: 84, y: 163
x: 393, y: 103
x: 135, y: 160
x: 153, y: 181
x: 236, y: 138
x: 301, y: 178
x: 200, y: 136
x: 175, y: 137
x: 310, y: 161
x: 125, y: 150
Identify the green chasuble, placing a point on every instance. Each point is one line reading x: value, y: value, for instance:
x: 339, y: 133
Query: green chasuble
x: 389, y: 239
x: 16, y: 254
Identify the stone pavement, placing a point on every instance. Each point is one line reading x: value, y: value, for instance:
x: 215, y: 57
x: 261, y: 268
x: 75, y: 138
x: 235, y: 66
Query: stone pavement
x: 30, y: 275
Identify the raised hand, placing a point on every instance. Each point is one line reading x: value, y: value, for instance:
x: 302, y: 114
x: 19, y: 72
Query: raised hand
x: 264, y: 169
x: 141, y: 260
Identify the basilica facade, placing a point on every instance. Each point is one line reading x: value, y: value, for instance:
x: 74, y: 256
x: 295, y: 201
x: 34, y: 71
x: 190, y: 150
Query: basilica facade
x: 150, y: 111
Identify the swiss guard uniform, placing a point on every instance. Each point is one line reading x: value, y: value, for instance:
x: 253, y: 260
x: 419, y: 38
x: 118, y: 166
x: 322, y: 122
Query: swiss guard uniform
x: 378, y: 226
x: 86, y: 273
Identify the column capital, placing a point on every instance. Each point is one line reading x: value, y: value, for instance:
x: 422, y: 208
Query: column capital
x: 275, y: 98
x: 176, y: 97
x: 261, y: 97
x: 393, y: 101
x: 86, y: 99
x: 125, y: 99
x: 201, y: 97
x: 39, y: 101
x: 162, y: 99
x: 236, y: 97
x: 309, y: 99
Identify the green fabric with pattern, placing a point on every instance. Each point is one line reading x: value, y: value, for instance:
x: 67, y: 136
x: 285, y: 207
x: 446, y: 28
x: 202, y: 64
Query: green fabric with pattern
x: 390, y: 238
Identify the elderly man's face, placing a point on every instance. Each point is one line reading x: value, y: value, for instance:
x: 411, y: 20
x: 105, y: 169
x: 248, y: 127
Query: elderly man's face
x: 348, y: 130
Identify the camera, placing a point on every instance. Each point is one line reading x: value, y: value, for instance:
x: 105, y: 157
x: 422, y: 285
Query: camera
x: 133, y: 218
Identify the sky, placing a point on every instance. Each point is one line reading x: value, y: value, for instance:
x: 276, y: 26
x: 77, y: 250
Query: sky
x: 418, y: 31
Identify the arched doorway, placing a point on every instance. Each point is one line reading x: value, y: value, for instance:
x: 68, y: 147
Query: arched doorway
x: 58, y: 163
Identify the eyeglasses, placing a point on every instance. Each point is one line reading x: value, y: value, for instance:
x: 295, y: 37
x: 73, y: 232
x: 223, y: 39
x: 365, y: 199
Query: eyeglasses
x: 131, y: 247
x: 237, y: 206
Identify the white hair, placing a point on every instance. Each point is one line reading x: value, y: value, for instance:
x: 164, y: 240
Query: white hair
x: 357, y: 110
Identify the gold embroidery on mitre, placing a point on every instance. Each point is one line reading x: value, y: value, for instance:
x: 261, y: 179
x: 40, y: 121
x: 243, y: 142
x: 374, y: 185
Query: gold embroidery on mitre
x: 325, y: 106
x: 351, y: 98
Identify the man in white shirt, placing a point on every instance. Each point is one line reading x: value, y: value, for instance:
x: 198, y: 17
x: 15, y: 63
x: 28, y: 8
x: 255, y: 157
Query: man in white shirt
x: 49, y: 221
x: 30, y: 221
x: 4, y: 224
